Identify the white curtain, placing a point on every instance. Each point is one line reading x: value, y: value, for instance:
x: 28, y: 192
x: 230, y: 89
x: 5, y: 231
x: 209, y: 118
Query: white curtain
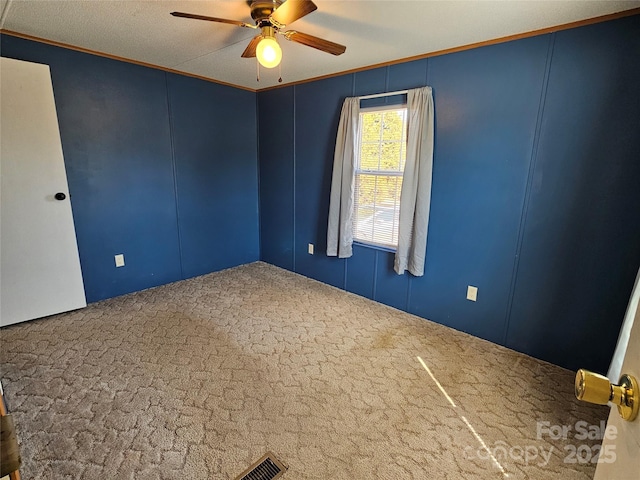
x: 415, y: 198
x: 615, y: 369
x: 340, y: 229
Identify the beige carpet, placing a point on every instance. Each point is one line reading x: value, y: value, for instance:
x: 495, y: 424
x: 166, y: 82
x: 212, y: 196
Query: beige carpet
x: 196, y: 380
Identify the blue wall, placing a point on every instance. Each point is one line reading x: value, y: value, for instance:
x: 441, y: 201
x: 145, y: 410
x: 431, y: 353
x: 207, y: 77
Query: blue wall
x: 536, y: 189
x: 161, y: 168
x: 535, y: 196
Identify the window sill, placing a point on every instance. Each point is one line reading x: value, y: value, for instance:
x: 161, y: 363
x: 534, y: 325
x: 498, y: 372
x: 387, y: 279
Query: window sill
x: 374, y: 246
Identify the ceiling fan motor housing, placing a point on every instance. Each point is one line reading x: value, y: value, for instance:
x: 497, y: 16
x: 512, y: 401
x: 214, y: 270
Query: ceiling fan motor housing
x: 262, y: 9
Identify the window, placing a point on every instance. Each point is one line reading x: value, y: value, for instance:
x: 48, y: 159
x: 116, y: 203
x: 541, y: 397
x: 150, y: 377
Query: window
x: 378, y: 177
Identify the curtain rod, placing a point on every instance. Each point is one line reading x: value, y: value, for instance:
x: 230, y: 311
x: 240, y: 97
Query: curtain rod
x: 388, y: 94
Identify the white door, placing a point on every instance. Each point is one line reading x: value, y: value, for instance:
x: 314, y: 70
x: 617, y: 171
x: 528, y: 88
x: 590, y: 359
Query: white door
x: 39, y: 265
x: 620, y: 452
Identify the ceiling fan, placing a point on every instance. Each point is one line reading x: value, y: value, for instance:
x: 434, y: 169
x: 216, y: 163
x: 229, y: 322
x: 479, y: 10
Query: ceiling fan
x: 270, y: 17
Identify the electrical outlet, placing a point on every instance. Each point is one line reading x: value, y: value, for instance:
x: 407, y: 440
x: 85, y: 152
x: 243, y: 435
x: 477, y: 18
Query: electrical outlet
x: 119, y: 260
x: 311, y: 249
x: 472, y: 293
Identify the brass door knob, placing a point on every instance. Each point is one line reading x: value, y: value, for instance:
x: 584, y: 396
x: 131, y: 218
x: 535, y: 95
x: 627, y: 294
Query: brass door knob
x: 594, y: 388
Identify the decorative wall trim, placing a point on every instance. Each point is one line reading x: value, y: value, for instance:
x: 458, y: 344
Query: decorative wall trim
x: 509, y: 38
x: 533, y: 33
x: 116, y: 57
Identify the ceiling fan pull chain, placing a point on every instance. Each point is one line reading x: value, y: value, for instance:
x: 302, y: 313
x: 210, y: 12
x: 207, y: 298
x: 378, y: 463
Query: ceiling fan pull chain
x: 280, y: 72
x: 257, y: 70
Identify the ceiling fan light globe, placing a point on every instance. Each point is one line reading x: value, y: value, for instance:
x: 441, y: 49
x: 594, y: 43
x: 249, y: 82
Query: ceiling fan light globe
x: 268, y: 52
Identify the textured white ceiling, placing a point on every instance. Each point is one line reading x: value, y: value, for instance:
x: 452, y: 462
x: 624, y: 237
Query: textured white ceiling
x: 373, y: 31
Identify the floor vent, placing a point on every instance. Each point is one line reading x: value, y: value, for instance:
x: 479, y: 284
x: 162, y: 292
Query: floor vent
x: 267, y: 468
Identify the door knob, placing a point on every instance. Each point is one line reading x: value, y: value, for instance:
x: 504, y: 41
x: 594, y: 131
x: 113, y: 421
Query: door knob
x: 59, y: 196
x: 594, y: 388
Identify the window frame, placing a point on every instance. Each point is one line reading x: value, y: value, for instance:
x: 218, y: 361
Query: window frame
x: 379, y: 173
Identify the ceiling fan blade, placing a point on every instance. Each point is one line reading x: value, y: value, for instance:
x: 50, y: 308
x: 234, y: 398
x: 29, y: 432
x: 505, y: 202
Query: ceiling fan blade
x: 250, y: 51
x: 315, y: 42
x: 212, y: 19
x: 292, y: 10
